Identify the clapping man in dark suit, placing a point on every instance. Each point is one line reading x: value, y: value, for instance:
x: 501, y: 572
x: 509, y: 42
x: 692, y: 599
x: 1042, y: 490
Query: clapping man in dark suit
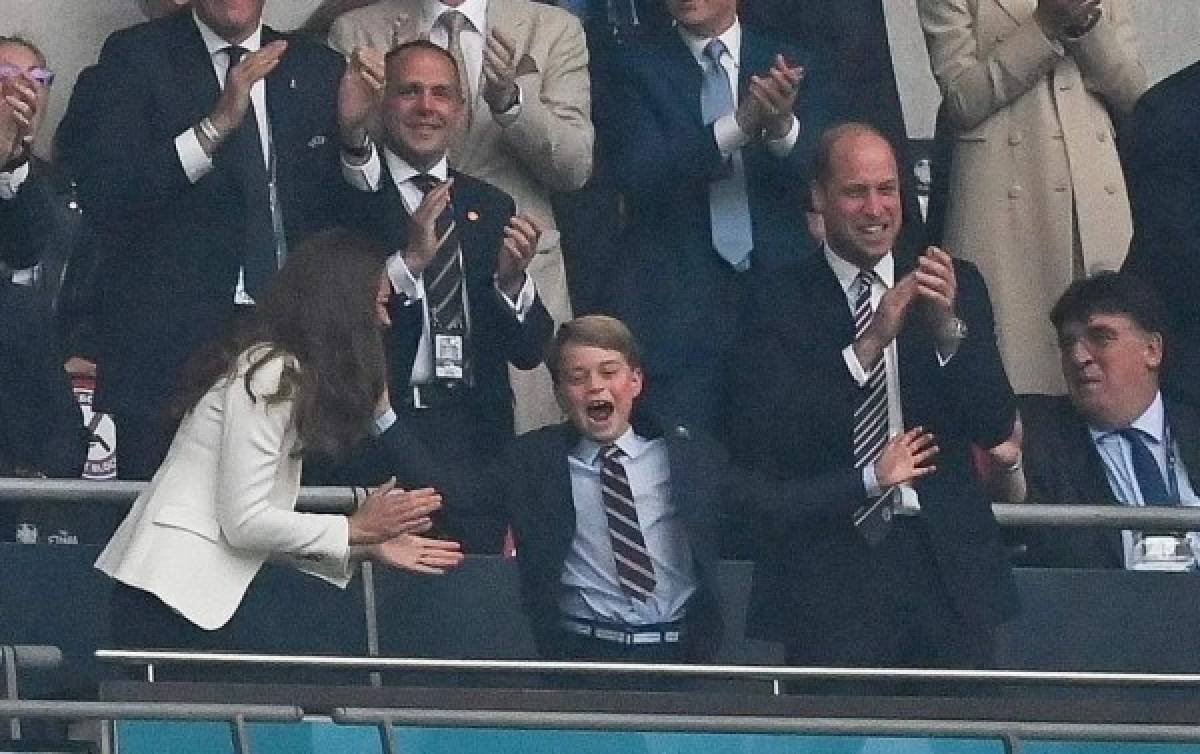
x: 466, y: 308
x: 26, y: 202
x: 1113, y: 439
x: 712, y: 138
x: 212, y: 149
x: 855, y: 345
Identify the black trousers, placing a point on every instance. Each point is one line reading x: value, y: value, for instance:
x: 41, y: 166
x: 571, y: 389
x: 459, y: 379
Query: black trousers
x: 915, y: 626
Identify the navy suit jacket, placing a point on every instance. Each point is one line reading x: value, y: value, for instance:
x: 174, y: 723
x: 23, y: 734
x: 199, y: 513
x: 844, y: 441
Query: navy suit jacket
x: 793, y: 420
x: 673, y: 288
x: 172, y: 248
x: 41, y: 427
x: 27, y: 222
x: 1062, y: 466
x: 1162, y: 159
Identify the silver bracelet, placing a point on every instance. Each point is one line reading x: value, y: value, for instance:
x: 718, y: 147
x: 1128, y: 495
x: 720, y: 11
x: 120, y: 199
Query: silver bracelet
x: 209, y: 130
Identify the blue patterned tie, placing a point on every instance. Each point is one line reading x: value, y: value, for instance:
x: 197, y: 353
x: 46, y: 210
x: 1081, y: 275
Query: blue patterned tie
x: 728, y: 208
x: 1145, y: 468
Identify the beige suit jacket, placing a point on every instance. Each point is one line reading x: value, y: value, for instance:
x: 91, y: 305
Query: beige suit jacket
x: 548, y: 148
x: 223, y: 502
x: 1034, y: 160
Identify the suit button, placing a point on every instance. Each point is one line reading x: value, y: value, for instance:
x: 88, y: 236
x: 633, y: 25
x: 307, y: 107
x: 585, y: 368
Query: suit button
x: 1014, y: 138
x: 1060, y: 188
x: 1101, y: 136
x: 1111, y: 188
x: 1014, y: 192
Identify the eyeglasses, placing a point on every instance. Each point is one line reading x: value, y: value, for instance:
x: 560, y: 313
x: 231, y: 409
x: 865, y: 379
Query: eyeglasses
x: 43, y: 76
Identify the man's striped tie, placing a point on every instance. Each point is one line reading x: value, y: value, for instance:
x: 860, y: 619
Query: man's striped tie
x: 634, y: 568
x: 873, y: 519
x: 444, y: 276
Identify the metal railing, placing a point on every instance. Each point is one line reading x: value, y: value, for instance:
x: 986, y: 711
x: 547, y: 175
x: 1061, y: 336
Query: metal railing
x: 342, y: 500
x: 236, y: 715
x: 1010, y: 733
x: 155, y: 657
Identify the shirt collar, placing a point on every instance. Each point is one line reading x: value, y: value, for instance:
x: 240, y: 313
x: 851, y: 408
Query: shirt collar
x: 732, y: 37
x: 1151, y: 423
x: 885, y: 269
x: 402, y: 172
x: 631, y: 444
x: 474, y: 10
x: 215, y: 42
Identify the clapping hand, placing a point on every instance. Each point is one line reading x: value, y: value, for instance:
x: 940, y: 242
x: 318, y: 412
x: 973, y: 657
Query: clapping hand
x: 389, y: 512
x: 234, y: 102
x: 520, y: 244
x: 18, y: 115
x: 418, y: 554
x: 499, y: 72
x: 359, y: 93
x: 906, y: 457
x: 422, y: 228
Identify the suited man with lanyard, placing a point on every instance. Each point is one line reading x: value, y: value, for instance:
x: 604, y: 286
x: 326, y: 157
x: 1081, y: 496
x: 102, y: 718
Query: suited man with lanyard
x: 846, y: 350
x: 467, y: 307
x: 711, y: 139
x: 1113, y: 438
x: 212, y: 151
x: 523, y: 71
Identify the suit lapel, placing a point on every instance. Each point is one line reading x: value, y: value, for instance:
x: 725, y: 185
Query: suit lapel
x: 681, y: 75
x: 755, y: 60
x: 1185, y: 430
x: 197, y: 83
x: 468, y: 213
x: 1088, y: 469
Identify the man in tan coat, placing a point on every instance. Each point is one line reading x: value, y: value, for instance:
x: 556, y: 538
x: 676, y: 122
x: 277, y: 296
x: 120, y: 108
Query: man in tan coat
x: 1036, y: 196
x: 529, y: 130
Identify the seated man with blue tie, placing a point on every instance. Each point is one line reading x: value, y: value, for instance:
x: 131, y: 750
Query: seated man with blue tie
x: 1112, y: 439
x: 466, y: 307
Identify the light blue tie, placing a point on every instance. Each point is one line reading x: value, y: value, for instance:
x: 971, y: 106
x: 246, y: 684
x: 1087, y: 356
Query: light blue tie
x: 728, y: 207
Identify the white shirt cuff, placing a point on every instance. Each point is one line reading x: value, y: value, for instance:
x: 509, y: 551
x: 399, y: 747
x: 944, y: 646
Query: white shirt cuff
x: 10, y: 183
x: 729, y: 136
x: 856, y: 371
x: 870, y: 481
x: 509, y: 116
x: 363, y: 176
x: 195, y: 161
x: 524, y: 303
x: 384, y: 422
x: 402, y: 279
x: 783, y: 147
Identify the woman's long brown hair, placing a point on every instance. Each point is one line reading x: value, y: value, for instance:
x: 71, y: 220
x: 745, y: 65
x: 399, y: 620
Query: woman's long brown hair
x: 319, y: 310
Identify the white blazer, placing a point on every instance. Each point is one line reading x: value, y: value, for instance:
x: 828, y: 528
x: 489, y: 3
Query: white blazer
x: 223, y: 502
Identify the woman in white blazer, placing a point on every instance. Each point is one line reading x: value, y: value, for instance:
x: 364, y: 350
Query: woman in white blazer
x: 304, y: 374
x: 1036, y: 195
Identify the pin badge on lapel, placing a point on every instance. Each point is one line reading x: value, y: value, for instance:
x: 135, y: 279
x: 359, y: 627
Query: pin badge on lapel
x: 291, y: 83
x: 472, y: 215
x: 316, y: 141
